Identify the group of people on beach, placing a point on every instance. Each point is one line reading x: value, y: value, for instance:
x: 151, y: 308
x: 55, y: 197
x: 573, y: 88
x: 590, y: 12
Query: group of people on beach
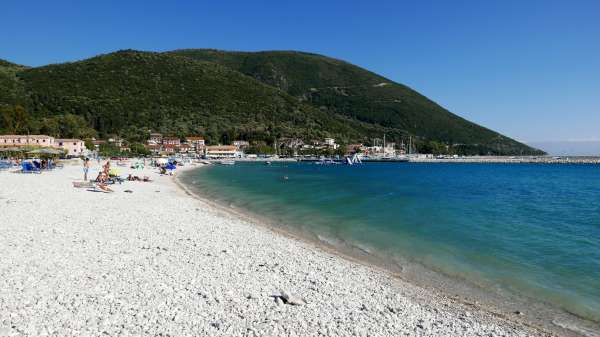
x: 103, y: 175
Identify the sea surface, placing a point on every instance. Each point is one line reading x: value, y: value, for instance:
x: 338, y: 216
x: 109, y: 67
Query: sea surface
x: 528, y: 229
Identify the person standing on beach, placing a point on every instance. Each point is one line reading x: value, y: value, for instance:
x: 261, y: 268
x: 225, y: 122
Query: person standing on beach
x: 86, y: 168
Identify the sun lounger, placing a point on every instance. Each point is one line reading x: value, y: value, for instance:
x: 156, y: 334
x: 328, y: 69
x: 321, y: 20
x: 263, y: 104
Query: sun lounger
x: 27, y: 167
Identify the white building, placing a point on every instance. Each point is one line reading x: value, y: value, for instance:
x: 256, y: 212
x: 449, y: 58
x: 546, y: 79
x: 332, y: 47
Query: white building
x: 22, y: 140
x: 74, y: 147
x: 330, y: 142
x: 222, y: 151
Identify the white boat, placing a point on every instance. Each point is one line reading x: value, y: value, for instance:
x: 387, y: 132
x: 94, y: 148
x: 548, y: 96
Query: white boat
x: 355, y: 159
x: 227, y: 162
x: 326, y: 162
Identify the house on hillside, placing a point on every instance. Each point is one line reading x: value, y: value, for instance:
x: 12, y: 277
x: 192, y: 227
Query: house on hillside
x: 241, y: 144
x: 171, y: 141
x: 197, y: 143
x: 330, y: 143
x: 291, y: 143
x: 116, y: 141
x: 195, y: 140
x: 155, y: 138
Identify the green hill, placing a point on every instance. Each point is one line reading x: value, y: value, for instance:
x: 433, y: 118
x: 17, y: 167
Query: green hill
x: 11, y: 89
x: 341, y: 88
x: 130, y: 93
x: 225, y: 96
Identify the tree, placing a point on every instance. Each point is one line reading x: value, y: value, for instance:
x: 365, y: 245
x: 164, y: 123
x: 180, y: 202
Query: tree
x: 89, y: 145
x: 14, y: 119
x: 139, y: 149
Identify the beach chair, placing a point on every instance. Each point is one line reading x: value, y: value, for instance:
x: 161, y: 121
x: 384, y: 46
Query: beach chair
x: 5, y: 165
x: 116, y: 179
x: 28, y: 167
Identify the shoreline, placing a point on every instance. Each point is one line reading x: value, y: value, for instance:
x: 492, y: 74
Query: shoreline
x: 507, y: 306
x: 157, y: 261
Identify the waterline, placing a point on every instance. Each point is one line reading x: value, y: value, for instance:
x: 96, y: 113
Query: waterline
x: 511, y: 228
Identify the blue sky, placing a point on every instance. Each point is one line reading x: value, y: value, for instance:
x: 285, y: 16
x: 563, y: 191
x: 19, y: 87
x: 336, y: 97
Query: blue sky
x: 528, y: 69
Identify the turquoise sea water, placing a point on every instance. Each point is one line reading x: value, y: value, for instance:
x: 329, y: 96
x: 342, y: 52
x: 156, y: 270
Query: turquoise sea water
x: 528, y: 229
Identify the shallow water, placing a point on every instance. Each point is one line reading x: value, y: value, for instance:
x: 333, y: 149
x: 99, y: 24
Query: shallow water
x: 525, y: 229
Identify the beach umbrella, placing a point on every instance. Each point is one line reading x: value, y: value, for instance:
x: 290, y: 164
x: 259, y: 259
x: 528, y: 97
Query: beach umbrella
x: 11, y: 149
x: 48, y: 152
x: 15, y: 150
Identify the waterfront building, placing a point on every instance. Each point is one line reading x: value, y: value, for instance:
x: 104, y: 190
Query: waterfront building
x: 197, y: 143
x: 330, y: 143
x: 171, y: 141
x: 74, y: 147
x: 222, y: 151
x: 22, y: 140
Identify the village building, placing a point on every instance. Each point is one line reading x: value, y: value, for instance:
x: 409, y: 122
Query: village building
x: 241, y: 144
x: 197, y: 143
x: 153, y: 148
x: 169, y: 148
x: 155, y: 138
x: 184, y: 148
x: 74, y: 147
x: 22, y: 140
x: 291, y: 143
x: 222, y: 151
x: 389, y: 149
x: 98, y: 142
x: 171, y: 141
x: 330, y: 143
x: 355, y: 148
x: 117, y: 141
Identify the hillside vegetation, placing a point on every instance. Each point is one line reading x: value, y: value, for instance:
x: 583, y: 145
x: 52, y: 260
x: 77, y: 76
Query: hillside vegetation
x: 344, y: 89
x: 259, y: 97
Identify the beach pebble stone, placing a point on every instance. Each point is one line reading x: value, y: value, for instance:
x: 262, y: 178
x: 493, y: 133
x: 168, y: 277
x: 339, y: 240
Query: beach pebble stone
x: 288, y: 298
x: 78, y: 263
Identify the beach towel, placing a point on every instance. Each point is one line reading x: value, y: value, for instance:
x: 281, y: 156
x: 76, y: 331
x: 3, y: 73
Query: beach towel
x: 83, y: 184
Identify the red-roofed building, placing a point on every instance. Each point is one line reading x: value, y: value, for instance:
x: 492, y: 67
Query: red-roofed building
x: 171, y: 141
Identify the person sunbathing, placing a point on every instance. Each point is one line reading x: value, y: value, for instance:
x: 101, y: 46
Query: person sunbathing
x: 104, y: 187
x: 102, y: 177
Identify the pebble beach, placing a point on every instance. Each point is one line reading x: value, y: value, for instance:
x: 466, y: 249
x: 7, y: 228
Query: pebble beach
x: 158, y: 262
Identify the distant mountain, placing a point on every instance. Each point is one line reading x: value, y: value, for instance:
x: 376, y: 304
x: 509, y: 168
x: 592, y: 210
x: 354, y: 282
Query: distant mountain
x: 341, y: 88
x: 569, y: 148
x: 222, y: 95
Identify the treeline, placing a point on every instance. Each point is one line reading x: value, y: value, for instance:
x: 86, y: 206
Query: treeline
x: 17, y: 120
x: 257, y: 97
